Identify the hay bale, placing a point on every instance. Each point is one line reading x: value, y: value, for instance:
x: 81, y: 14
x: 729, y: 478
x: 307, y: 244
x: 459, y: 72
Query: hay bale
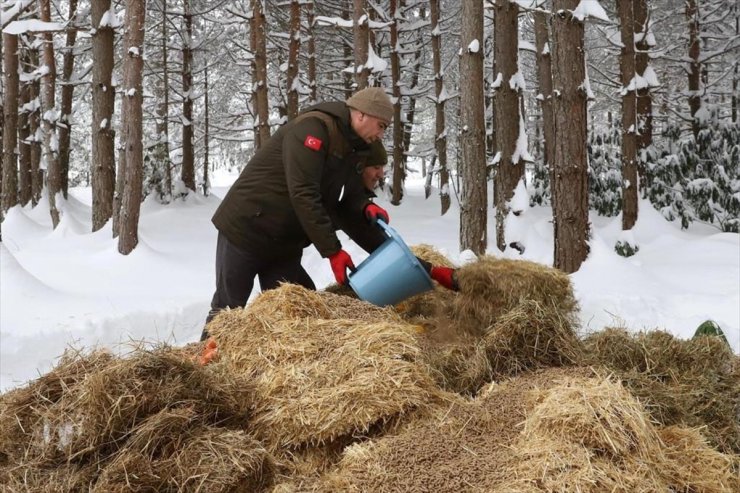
x: 37, y: 478
x: 592, y: 435
x: 22, y: 409
x: 693, y: 465
x: 430, y: 254
x: 457, y: 445
x: 693, y: 382
x: 291, y: 302
x: 532, y: 335
x: 221, y: 460
x: 173, y: 451
x: 491, y: 287
x: 104, y: 398
x: 317, y: 379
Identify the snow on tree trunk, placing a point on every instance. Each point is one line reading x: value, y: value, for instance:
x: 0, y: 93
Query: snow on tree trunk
x: 103, y: 101
x: 472, y: 165
x: 48, y: 117
x: 206, y: 124
x: 544, y: 81
x: 510, y: 166
x: 629, y: 114
x: 399, y: 173
x: 259, y: 81
x: 65, y: 123
x: 10, y: 122
x: 34, y: 118
x: 161, y: 152
x: 570, y: 169
x: 440, y: 132
x: 25, y: 175
x: 362, y: 40
x: 311, y: 54
x: 695, y: 65
x: 131, y: 125
x: 294, y: 47
x: 187, y: 169
x: 644, y: 97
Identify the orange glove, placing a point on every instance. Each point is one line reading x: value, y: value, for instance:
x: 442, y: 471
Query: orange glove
x: 340, y: 262
x: 210, y: 352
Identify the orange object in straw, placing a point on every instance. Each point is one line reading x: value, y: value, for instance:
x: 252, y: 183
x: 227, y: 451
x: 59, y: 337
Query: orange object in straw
x: 210, y: 352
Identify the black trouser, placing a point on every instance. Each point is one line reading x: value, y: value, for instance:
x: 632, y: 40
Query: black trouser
x: 237, y: 268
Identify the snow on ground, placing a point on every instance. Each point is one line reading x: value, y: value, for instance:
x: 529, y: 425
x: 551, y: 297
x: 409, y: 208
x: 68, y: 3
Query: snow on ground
x: 70, y: 287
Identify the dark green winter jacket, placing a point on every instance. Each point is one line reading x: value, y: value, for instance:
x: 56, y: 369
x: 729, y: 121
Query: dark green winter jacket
x: 301, y: 186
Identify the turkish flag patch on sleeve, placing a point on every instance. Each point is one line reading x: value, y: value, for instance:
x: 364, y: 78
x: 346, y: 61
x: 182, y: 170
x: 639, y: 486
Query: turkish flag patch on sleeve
x: 313, y: 143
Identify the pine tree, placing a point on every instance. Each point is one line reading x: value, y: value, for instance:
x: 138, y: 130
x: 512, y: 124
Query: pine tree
x: 604, y: 171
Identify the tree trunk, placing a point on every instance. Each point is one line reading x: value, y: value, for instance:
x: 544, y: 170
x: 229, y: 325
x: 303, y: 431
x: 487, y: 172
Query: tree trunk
x: 294, y: 48
x: 162, y: 149
x: 440, y: 130
x: 695, y: 66
x: 103, y: 101
x: 2, y: 119
x: 65, y: 124
x: 408, y: 125
x: 188, y: 158
x: 10, y: 123
x: 510, y: 167
x: 544, y: 81
x: 34, y: 119
x: 25, y: 189
x: 132, y: 125
x: 260, y: 73
x: 629, y: 112
x: 570, y: 175
x: 399, y: 173
x: 362, y: 41
x: 48, y: 119
x: 206, y: 177
x: 644, y: 97
x: 311, y: 53
x: 473, y: 185
x: 349, y: 53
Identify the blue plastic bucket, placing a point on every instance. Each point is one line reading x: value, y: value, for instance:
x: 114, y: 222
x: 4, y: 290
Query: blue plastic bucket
x: 390, y: 274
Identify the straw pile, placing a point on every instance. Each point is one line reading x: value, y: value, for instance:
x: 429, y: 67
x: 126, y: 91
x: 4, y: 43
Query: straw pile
x: 491, y: 287
x: 459, y: 445
x: 552, y: 430
x: 313, y: 373
x: 99, y: 419
x: 694, y: 383
x: 431, y: 307
x: 527, y: 337
x: 593, y: 436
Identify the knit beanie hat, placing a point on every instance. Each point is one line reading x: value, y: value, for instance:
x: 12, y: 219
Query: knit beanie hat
x: 376, y: 155
x: 372, y: 101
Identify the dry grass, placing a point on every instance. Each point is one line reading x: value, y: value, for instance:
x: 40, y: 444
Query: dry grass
x: 594, y: 436
x: 98, y: 420
x: 694, y: 383
x: 528, y: 337
x: 317, y: 379
x: 490, y: 287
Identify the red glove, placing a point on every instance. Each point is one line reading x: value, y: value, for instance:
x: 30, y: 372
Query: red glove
x: 373, y: 212
x: 446, y: 276
x: 340, y: 262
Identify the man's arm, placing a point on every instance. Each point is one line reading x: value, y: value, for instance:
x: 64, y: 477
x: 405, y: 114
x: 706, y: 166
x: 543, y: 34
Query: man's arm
x: 305, y: 150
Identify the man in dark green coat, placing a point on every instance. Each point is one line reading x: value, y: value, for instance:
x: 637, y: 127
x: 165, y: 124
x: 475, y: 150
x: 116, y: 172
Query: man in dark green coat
x: 301, y: 186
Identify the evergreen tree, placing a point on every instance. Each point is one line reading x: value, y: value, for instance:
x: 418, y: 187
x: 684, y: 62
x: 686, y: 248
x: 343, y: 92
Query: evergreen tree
x: 604, y: 171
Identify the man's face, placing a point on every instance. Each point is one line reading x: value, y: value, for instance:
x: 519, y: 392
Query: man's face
x: 371, y: 176
x: 369, y: 128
